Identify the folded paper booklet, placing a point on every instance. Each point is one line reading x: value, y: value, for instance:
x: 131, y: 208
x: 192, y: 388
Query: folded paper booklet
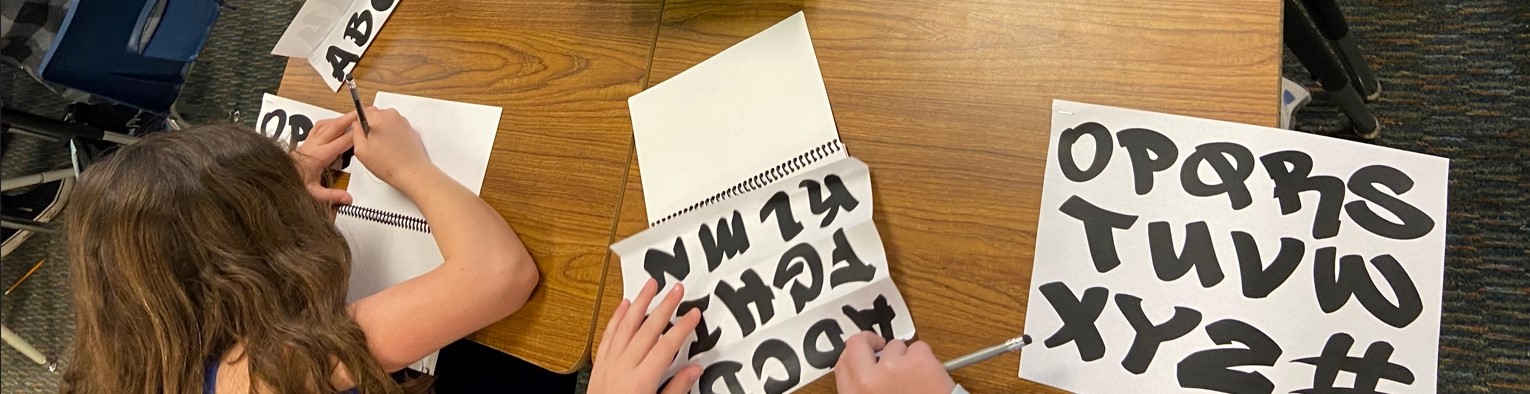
x: 782, y: 275
x: 759, y: 211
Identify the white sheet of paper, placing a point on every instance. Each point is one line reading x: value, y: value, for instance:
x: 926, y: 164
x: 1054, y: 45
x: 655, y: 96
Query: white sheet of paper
x: 746, y: 110
x: 1290, y: 315
x: 458, y: 138
x: 326, y: 28
x: 850, y: 232
x: 315, y: 21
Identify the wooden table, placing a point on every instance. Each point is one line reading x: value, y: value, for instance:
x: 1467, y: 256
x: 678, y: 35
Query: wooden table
x: 562, y: 72
x: 949, y: 104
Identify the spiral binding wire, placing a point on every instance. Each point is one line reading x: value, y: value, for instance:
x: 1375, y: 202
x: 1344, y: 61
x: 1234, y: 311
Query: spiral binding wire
x: 384, y: 217
x: 783, y: 170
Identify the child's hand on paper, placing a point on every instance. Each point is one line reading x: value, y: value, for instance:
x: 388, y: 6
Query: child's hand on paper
x: 635, y: 351
x: 902, y: 368
x: 324, y: 145
x: 392, y: 150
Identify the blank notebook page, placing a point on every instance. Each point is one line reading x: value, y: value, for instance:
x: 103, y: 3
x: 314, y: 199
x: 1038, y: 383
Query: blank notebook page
x: 457, y: 137
x: 746, y: 110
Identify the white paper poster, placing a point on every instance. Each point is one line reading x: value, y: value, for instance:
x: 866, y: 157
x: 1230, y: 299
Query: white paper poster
x: 333, y: 34
x: 782, y: 275
x: 1176, y: 253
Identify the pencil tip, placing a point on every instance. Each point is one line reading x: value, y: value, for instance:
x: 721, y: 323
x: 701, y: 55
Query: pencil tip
x: 1025, y: 339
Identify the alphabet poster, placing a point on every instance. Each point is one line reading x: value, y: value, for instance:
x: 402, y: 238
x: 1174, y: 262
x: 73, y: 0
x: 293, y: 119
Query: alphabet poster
x: 1183, y: 254
x: 782, y: 274
x: 333, y: 34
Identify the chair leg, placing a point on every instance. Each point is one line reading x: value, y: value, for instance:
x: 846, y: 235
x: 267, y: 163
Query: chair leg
x: 33, y: 179
x: 1359, y: 70
x: 1304, y: 39
x: 33, y: 125
x: 1331, y: 23
x: 25, y: 348
x: 26, y: 225
x: 174, y: 119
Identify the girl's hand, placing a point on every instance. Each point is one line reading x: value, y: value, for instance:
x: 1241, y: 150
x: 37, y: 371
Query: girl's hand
x: 392, y: 150
x: 636, y: 351
x: 901, y: 368
x: 324, y: 145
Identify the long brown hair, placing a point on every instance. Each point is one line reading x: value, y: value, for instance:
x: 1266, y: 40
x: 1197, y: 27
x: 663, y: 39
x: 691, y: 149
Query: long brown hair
x: 189, y: 243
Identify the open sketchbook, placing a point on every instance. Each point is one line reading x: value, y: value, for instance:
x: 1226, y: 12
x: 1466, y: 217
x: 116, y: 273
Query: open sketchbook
x: 389, y: 238
x: 753, y: 114
x: 790, y: 290
x: 744, y: 175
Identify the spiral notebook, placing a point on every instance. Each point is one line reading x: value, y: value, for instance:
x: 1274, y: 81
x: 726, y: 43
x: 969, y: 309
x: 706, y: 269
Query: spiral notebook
x: 389, y: 238
x: 754, y: 113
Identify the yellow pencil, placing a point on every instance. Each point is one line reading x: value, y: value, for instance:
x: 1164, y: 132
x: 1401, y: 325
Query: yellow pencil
x: 25, y: 276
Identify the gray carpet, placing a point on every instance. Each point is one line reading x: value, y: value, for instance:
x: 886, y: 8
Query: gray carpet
x: 230, y: 74
x: 1455, y: 81
x: 38, y: 310
x: 1454, y: 78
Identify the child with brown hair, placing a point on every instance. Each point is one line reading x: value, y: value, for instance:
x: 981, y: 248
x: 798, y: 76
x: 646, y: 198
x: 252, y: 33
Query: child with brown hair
x: 207, y: 260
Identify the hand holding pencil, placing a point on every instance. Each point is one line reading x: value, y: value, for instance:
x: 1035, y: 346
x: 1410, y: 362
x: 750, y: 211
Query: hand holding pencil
x: 393, y: 150
x: 900, y: 368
